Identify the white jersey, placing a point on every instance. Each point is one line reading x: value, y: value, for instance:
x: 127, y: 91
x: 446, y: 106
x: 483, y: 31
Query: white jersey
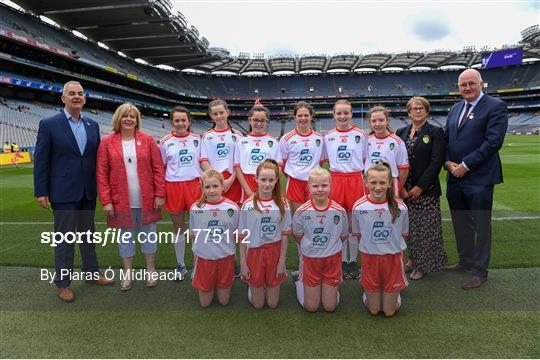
x: 320, y: 231
x: 217, y: 147
x: 346, y: 151
x: 373, y: 222
x: 301, y: 153
x: 181, y: 154
x: 213, y: 227
x: 252, y: 150
x: 265, y: 226
x: 391, y: 149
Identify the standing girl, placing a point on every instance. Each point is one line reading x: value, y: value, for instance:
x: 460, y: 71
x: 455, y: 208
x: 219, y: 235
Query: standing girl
x: 213, y: 221
x: 267, y: 217
x: 217, y: 149
x: 384, y: 145
x: 302, y: 150
x: 319, y: 226
x: 381, y: 222
x: 253, y: 149
x: 180, y: 152
x: 346, y: 151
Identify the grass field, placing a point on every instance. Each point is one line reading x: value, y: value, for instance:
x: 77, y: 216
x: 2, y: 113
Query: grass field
x: 438, y: 319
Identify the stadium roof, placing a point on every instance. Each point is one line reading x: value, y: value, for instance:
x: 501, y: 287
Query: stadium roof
x: 149, y: 30
x: 145, y: 29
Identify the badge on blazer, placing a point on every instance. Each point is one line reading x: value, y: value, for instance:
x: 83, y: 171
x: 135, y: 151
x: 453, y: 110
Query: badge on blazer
x: 471, y: 116
x: 336, y: 219
x: 230, y: 212
x: 357, y: 139
x: 318, y: 142
x: 195, y: 143
x: 138, y: 143
x: 391, y: 146
x: 270, y: 143
x: 425, y: 139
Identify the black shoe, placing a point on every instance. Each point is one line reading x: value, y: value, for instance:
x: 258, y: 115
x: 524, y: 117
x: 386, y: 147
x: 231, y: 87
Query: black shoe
x: 354, y: 270
x: 474, y: 282
x: 458, y: 267
x: 345, y: 270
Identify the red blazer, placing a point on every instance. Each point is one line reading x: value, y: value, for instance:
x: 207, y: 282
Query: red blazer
x: 112, y: 178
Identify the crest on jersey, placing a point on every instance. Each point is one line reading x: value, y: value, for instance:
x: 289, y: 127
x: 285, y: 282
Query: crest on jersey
x: 230, y: 212
x: 336, y: 219
x: 195, y: 143
x: 357, y: 139
x: 392, y: 146
x: 398, y: 213
x: 234, y: 138
x: 318, y: 142
x: 270, y: 143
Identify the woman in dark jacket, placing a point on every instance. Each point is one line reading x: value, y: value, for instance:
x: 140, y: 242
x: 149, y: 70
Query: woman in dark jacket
x: 426, y: 149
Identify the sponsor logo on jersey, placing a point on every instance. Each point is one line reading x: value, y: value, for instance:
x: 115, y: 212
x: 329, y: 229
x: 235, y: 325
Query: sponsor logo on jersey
x: 256, y: 157
x: 213, y: 223
x: 185, y: 158
x: 170, y: 144
x: 223, y: 151
x: 380, y: 233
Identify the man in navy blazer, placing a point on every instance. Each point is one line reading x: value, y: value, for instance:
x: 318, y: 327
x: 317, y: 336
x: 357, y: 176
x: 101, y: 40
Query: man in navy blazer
x: 65, y: 177
x: 475, y: 130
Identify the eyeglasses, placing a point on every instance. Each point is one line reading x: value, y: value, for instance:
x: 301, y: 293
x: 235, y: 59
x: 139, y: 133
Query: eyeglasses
x: 259, y: 121
x: 417, y: 109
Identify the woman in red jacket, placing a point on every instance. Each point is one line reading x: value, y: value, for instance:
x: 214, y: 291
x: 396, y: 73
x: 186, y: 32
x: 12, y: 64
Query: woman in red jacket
x: 131, y: 186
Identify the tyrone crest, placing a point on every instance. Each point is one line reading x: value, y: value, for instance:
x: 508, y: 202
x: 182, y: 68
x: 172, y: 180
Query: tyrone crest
x: 392, y: 146
x: 270, y: 144
x: 357, y: 139
x: 336, y: 219
x: 318, y: 142
x: 196, y: 143
x: 230, y: 212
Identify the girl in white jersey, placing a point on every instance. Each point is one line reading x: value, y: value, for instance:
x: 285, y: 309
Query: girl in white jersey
x: 217, y: 149
x: 384, y: 145
x: 381, y: 222
x: 301, y: 150
x: 213, y: 221
x: 253, y: 149
x: 180, y: 152
x: 346, y: 151
x: 319, y: 226
x: 267, y: 218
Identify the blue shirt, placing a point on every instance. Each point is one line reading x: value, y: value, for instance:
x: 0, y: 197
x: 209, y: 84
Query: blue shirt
x: 79, y: 131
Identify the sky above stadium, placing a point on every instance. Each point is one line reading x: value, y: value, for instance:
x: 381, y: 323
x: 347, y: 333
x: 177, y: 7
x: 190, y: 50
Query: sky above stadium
x: 361, y: 27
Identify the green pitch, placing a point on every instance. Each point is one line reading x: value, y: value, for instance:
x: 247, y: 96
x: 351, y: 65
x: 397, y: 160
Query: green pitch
x: 437, y: 319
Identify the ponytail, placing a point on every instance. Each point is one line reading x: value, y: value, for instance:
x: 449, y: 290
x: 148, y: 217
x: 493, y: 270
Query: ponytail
x: 276, y: 193
x: 382, y: 166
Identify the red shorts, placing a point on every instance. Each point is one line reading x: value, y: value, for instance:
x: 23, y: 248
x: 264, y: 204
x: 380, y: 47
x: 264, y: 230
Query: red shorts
x: 297, y: 190
x: 209, y: 274
x: 318, y: 271
x: 262, y: 264
x: 181, y: 195
x: 383, y: 272
x: 347, y: 188
x: 250, y: 178
x: 235, y: 192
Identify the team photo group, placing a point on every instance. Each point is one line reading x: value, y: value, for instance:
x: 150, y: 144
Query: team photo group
x: 362, y: 205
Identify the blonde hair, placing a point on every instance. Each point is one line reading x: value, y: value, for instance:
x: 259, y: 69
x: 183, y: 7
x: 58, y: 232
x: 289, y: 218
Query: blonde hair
x: 122, y: 111
x: 276, y: 193
x: 341, y: 102
x: 208, y: 174
x: 317, y: 172
x: 382, y: 166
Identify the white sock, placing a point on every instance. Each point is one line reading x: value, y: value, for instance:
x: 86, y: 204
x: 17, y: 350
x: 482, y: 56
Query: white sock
x: 300, y: 292
x: 344, y: 253
x: 398, y: 302
x: 353, y: 248
x: 338, y: 297
x: 180, y: 249
x: 249, y: 293
x: 364, y: 299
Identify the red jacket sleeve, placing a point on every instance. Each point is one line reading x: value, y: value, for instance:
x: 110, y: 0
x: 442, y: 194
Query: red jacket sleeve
x: 158, y: 170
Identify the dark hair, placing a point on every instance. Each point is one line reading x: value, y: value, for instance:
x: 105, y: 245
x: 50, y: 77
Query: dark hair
x: 184, y: 110
x: 258, y: 108
x: 218, y: 102
x: 300, y: 105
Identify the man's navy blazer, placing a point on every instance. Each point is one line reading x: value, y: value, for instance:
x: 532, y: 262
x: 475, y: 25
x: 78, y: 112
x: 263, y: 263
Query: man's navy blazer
x: 60, y: 171
x: 478, y: 141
